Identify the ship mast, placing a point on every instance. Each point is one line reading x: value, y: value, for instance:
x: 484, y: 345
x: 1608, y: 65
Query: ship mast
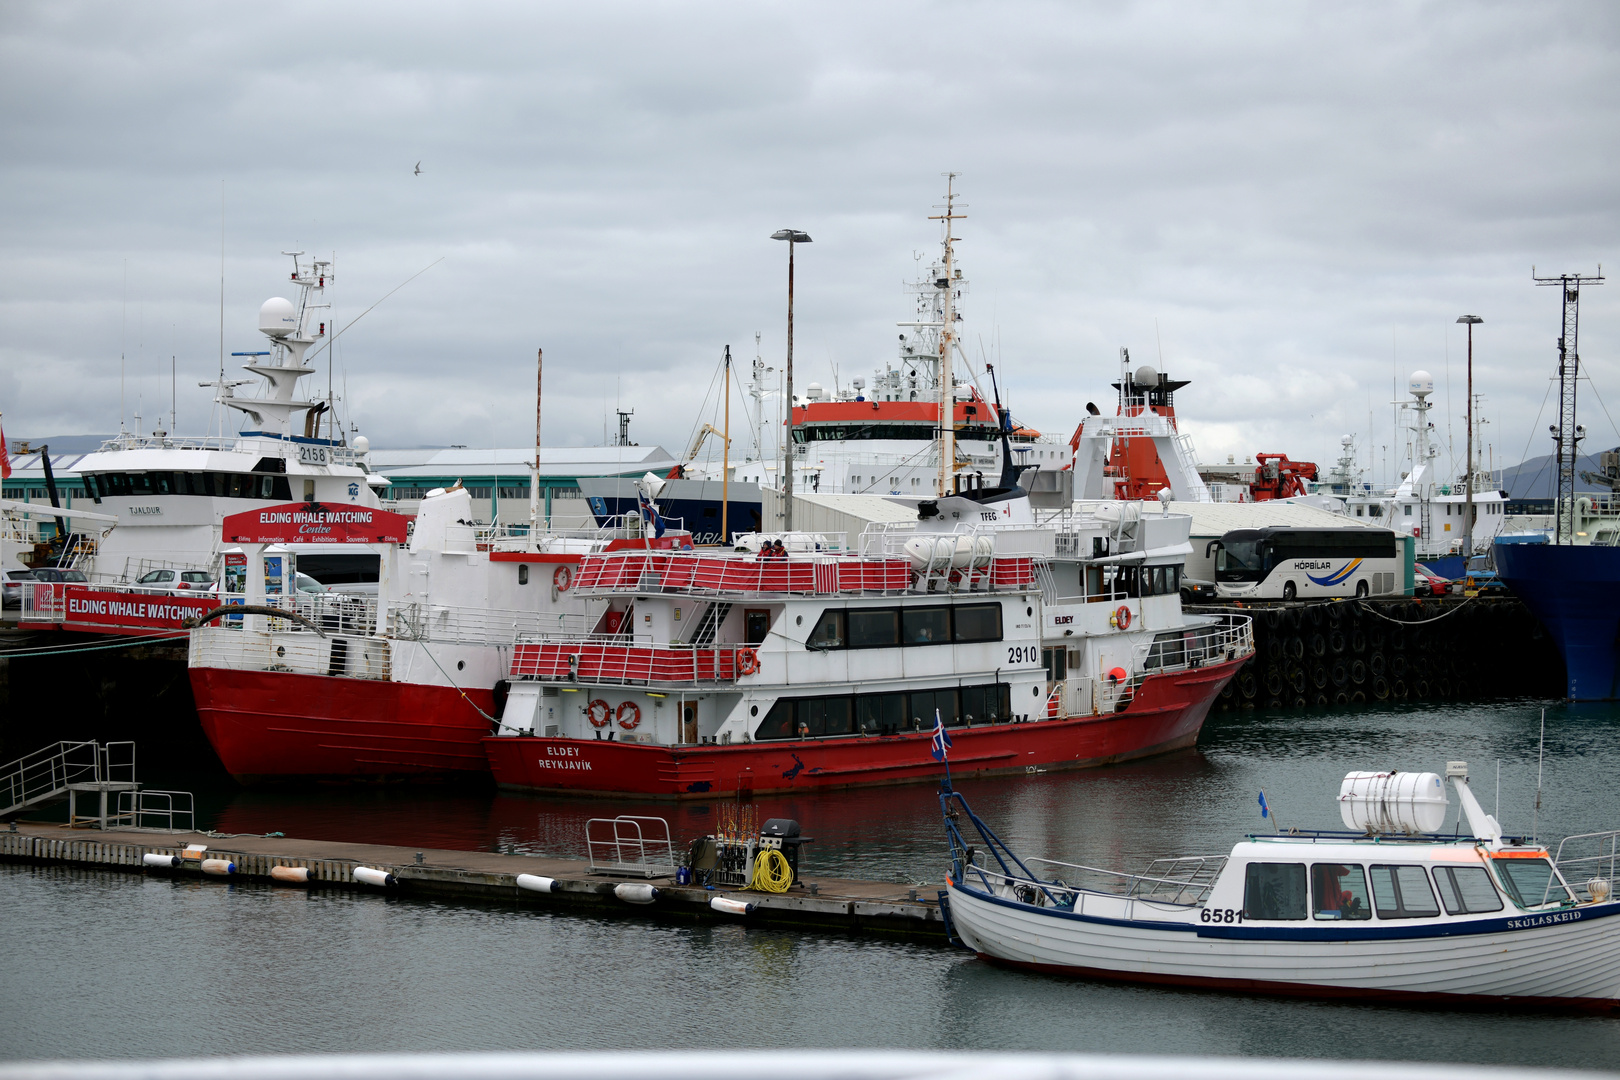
x: 947, y: 339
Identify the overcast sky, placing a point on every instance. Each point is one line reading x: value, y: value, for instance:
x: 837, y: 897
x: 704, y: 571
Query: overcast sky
x: 1291, y: 203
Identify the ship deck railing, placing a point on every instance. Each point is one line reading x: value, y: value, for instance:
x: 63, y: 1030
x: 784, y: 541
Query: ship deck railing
x: 1180, y: 882
x: 294, y: 650
x: 516, y: 535
x: 703, y: 574
x: 482, y: 626
x: 1592, y: 857
x: 340, y: 454
x: 613, y: 660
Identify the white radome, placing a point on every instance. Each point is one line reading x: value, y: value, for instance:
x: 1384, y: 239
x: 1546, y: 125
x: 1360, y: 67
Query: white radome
x: 1421, y: 384
x: 278, y: 317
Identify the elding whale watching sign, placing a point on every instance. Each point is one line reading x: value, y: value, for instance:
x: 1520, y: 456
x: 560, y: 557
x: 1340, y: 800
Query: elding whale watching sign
x: 314, y: 523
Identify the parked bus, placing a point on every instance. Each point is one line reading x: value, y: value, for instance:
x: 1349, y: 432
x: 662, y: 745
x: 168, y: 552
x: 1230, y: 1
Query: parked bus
x: 1280, y: 563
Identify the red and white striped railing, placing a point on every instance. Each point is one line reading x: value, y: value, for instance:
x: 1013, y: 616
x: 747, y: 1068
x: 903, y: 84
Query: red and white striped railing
x: 723, y: 575
x: 601, y: 662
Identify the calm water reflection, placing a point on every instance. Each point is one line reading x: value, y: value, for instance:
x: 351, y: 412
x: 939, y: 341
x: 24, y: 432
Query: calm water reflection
x: 102, y: 964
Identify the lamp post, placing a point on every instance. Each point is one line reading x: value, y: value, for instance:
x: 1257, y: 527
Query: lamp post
x: 1468, y: 470
x: 793, y: 237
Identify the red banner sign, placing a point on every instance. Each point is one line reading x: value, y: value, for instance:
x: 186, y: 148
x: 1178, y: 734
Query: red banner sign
x: 95, y: 607
x: 315, y: 523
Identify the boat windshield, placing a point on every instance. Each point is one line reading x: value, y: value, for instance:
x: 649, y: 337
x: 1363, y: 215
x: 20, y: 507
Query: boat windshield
x: 1238, y: 560
x: 1531, y: 882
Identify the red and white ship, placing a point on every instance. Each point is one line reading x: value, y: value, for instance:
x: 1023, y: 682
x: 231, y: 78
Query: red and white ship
x: 1059, y: 644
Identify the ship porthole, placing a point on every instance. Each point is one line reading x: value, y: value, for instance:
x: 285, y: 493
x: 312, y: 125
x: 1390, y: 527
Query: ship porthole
x: 1029, y: 611
x: 754, y: 711
x: 1035, y: 690
x: 461, y: 665
x: 281, y: 650
x: 799, y: 621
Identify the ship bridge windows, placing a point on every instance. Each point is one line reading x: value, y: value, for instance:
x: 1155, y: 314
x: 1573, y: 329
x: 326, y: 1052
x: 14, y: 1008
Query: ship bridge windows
x: 218, y: 485
x: 1147, y: 580
x: 880, y: 628
x: 1530, y: 882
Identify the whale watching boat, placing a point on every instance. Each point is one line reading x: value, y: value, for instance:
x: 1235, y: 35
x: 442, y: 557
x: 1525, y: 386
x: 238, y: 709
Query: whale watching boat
x: 1390, y: 909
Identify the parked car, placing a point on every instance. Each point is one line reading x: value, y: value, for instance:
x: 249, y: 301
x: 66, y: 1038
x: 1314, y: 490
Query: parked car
x: 1482, y: 575
x: 1426, y: 582
x: 11, y: 587
x: 1195, y: 591
x: 51, y: 573
x: 167, y: 580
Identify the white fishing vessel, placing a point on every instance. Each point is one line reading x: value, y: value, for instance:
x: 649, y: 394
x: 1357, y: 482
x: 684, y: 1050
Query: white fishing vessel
x: 1389, y: 909
x: 170, y: 492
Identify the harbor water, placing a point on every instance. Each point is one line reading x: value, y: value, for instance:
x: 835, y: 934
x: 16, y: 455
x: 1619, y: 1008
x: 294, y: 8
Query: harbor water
x: 104, y: 964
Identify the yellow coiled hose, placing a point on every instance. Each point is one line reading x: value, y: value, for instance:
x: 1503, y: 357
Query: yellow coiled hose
x: 771, y: 872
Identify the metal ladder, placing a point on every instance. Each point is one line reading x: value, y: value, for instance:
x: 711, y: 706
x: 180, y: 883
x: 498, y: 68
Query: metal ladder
x: 48, y: 774
x: 70, y: 769
x: 709, y: 622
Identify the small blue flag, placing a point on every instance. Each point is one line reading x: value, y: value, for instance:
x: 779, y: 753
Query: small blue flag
x: 1264, y: 811
x: 942, y: 739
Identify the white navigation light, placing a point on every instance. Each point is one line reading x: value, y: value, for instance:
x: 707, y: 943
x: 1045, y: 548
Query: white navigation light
x: 1393, y: 802
x: 278, y: 317
x: 1421, y: 384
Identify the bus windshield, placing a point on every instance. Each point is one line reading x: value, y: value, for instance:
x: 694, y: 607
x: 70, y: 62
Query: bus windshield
x: 1238, y: 560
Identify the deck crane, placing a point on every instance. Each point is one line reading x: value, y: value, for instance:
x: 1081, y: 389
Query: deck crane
x: 679, y: 471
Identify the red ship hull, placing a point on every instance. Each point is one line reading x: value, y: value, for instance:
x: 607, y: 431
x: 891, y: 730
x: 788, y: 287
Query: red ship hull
x: 1166, y: 714
x: 269, y: 726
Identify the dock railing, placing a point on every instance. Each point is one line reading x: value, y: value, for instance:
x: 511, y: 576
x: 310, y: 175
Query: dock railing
x: 144, y: 809
x: 46, y: 773
x: 630, y: 844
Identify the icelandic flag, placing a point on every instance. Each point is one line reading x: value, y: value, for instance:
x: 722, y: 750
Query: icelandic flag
x: 1265, y: 811
x: 649, y: 512
x: 942, y: 739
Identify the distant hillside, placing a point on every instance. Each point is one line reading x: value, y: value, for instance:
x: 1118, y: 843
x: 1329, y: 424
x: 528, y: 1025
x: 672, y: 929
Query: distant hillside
x: 1535, y: 479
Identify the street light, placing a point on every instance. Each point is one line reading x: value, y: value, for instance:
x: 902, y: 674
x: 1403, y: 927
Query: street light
x: 793, y: 237
x: 1468, y: 471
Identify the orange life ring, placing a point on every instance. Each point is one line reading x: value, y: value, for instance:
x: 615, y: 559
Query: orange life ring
x: 597, y: 713
x: 635, y: 715
x: 562, y: 577
x: 1122, y: 617
x: 747, y: 661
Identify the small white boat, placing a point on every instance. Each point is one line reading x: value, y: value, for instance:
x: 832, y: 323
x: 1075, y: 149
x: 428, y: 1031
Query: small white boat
x: 1390, y: 910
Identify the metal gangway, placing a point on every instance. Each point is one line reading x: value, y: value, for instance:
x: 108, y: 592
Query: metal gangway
x: 631, y: 845
x: 71, y: 769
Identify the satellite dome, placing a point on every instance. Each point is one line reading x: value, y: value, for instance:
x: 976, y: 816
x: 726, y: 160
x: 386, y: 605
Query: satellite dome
x: 278, y: 317
x: 813, y: 391
x: 1421, y: 384
x: 1146, y: 376
x: 361, y: 444
x: 1347, y: 440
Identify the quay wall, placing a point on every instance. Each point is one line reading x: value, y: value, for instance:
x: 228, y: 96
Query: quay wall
x: 1338, y: 652
x: 863, y: 907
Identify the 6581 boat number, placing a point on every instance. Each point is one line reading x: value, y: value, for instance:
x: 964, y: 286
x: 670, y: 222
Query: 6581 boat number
x: 1213, y: 915
x: 1023, y: 654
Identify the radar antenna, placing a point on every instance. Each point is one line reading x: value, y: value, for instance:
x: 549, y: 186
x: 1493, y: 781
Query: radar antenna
x: 1567, y: 434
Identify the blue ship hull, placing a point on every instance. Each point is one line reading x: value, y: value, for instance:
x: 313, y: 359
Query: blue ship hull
x: 694, y: 504
x: 1575, y: 592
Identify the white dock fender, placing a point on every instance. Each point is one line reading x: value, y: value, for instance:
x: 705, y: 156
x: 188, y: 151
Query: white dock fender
x: 218, y: 867
x: 726, y: 905
x: 381, y: 878
x: 635, y: 894
x: 168, y: 862
x: 296, y: 874
x: 536, y: 883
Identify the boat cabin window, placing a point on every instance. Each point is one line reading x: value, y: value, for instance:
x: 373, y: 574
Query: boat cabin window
x: 1466, y: 890
x: 1339, y: 891
x: 1530, y: 882
x: 925, y: 626
x: 1274, y: 891
x: 873, y: 627
x: 878, y: 628
x: 1402, y: 892
x: 884, y: 714
x: 925, y: 703
x: 1057, y: 664
x: 1169, y: 650
x: 829, y: 632
x: 756, y: 625
x: 978, y: 622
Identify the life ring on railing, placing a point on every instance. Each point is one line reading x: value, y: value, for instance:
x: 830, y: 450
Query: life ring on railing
x: 634, y: 712
x: 562, y: 577
x: 747, y: 661
x: 597, y: 712
x: 1122, y: 617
